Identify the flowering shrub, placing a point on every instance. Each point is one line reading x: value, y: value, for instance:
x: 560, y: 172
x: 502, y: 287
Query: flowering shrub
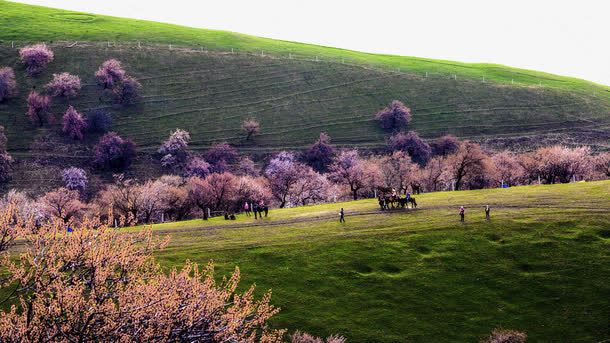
x: 396, y: 116
x: 73, y: 124
x: 64, y: 85
x: 174, y: 149
x: 127, y: 91
x: 98, y: 284
x: 410, y: 143
x: 74, y: 178
x: 8, y: 85
x: 251, y: 127
x: 110, y: 73
x: 36, y: 58
x: 113, y: 152
x: 320, y: 155
x: 39, y: 109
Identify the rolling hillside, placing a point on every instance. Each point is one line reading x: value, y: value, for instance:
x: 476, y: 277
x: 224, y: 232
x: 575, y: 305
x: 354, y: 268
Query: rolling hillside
x: 540, y: 265
x: 208, y: 81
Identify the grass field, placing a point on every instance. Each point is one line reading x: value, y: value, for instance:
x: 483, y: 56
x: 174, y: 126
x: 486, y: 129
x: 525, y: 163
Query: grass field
x: 201, y: 86
x: 540, y: 265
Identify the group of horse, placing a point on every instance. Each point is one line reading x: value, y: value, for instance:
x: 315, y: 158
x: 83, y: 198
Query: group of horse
x: 393, y: 201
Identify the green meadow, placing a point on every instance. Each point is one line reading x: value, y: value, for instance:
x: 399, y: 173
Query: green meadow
x: 540, y: 265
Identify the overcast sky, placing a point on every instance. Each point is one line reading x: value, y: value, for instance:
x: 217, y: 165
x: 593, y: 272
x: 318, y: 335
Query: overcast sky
x: 558, y: 36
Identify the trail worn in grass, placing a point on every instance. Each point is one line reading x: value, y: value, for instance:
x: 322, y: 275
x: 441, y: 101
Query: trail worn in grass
x: 541, y: 264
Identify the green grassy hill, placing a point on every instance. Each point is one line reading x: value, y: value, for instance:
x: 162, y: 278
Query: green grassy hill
x: 208, y: 81
x: 540, y: 265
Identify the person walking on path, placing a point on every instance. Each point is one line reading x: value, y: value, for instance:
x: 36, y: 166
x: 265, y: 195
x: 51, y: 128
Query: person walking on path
x: 487, y: 210
x: 247, y: 209
x: 462, y: 213
x: 341, y: 216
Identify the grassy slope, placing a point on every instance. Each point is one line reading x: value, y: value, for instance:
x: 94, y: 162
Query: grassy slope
x: 541, y: 264
x: 211, y: 93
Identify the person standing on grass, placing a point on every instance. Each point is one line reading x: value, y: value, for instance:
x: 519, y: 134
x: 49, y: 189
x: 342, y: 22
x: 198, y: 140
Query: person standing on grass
x: 462, y: 213
x: 341, y: 216
x: 247, y: 209
x: 487, y: 210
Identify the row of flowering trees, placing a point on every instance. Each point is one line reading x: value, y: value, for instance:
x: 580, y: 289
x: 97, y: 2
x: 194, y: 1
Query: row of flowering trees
x: 322, y: 173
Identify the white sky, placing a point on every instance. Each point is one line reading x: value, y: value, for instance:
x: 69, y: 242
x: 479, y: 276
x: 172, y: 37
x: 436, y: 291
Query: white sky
x: 567, y: 37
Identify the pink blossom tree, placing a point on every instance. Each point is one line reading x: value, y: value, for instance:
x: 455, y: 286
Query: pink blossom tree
x: 320, y: 155
x: 412, y: 144
x: 174, y: 150
x: 252, y: 189
x: 311, y: 187
x: 36, y: 58
x: 220, y: 156
x: 251, y: 127
x: 508, y: 171
x: 396, y: 170
x: 467, y: 164
x: 246, y: 166
x: 110, y: 73
x: 505, y: 336
x: 350, y: 170
x: 63, y: 204
x: 445, y: 145
x: 394, y: 117
x: 8, y: 85
x: 74, y: 178
x: 127, y: 92
x: 73, y: 124
x: 39, y: 109
x: 197, y: 166
x: 432, y: 177
x: 283, y: 173
x: 64, y: 85
x: 113, y: 152
x: 562, y: 164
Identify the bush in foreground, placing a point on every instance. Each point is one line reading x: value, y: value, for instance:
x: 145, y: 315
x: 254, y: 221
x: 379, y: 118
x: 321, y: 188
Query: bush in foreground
x: 112, y: 291
x: 505, y: 336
